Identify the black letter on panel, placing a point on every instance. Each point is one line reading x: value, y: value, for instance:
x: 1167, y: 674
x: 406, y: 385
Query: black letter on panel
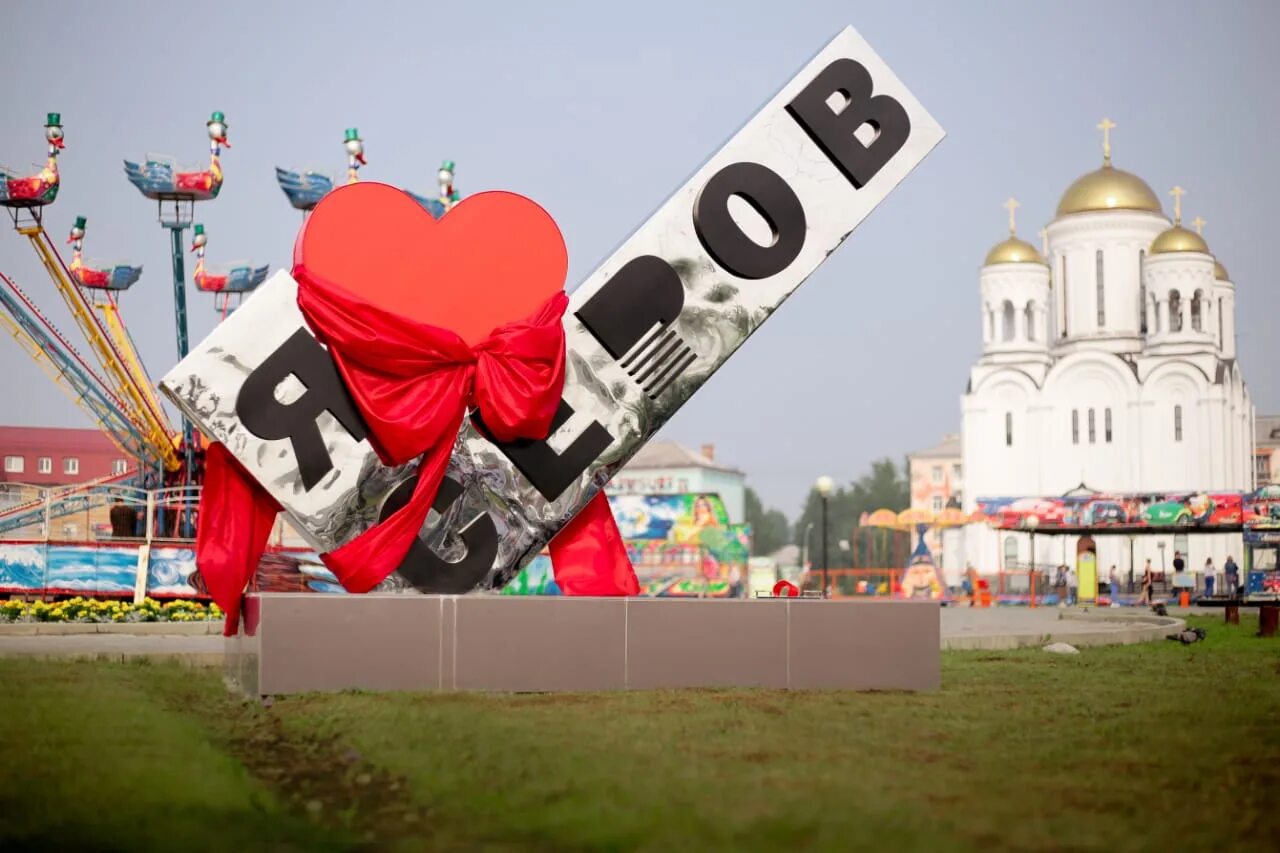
x: 833, y: 130
x: 644, y: 292
x: 771, y: 198
x: 550, y: 472
x: 266, y: 417
x: 426, y: 571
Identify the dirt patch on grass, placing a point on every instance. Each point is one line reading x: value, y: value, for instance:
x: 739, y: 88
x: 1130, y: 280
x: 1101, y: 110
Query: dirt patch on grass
x: 333, y: 785
x: 312, y: 774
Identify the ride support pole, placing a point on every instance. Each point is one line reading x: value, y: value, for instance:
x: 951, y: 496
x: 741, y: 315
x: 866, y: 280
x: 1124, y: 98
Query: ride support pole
x: 176, y: 230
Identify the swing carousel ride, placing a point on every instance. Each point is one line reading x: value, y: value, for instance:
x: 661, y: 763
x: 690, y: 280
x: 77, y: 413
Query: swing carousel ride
x: 109, y: 382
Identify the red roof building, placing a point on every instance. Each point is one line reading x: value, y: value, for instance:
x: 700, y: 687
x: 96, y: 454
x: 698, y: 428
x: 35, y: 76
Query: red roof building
x: 56, y: 456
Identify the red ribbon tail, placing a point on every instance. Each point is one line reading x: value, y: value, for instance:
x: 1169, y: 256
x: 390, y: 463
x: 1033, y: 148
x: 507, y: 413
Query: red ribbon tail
x: 236, y: 517
x: 365, y: 561
x: 589, y: 556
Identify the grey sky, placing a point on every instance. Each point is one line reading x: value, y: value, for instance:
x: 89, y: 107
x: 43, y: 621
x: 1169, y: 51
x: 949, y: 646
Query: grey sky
x: 599, y: 110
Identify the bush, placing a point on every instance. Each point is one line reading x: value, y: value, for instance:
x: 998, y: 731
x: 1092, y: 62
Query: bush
x: 81, y: 609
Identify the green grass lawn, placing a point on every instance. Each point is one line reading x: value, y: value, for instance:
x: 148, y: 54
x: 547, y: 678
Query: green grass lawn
x: 1158, y: 746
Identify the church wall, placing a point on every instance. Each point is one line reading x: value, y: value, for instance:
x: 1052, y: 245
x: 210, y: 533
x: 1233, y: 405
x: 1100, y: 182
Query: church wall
x: 1073, y: 454
x: 1121, y: 237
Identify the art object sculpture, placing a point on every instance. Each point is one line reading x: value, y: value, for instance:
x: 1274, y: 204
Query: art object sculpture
x: 641, y: 335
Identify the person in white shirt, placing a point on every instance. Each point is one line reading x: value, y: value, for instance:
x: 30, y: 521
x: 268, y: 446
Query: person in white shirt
x: 1071, y: 584
x: 1210, y: 577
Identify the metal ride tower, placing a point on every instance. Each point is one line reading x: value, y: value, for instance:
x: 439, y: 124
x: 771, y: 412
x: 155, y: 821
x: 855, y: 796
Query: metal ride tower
x: 175, y: 192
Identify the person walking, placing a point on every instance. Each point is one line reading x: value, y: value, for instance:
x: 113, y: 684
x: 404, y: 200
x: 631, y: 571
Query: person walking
x: 1113, y: 586
x: 1232, y: 572
x: 1060, y: 585
x: 1072, y: 585
x: 1148, y: 577
x: 971, y: 584
x: 1210, y: 577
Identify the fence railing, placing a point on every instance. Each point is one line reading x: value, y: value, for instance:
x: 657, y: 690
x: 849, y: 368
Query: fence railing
x: 108, y: 512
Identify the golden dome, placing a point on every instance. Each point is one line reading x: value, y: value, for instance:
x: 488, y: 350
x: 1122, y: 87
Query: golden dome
x: 1108, y: 188
x: 1219, y: 271
x: 1178, y: 239
x: 1013, y: 251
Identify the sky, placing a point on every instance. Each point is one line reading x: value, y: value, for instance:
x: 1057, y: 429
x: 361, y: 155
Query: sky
x: 598, y: 111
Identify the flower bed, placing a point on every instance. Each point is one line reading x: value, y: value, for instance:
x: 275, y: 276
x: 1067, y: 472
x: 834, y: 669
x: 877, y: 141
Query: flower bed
x: 80, y: 609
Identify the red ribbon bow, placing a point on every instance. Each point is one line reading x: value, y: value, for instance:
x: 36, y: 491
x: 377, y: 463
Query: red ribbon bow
x: 413, y: 383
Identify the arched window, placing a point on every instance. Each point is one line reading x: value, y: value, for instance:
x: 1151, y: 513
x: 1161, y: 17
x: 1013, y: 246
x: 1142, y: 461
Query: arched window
x: 1177, y: 423
x: 1175, y: 311
x: 1075, y: 426
x: 1008, y: 429
x: 1155, y: 311
x: 1197, y: 300
x: 1009, y: 320
x: 1010, y: 552
x: 1029, y: 317
x: 1093, y: 428
x: 1222, y: 343
x: 1106, y: 425
x: 1142, y: 293
x: 1102, y: 291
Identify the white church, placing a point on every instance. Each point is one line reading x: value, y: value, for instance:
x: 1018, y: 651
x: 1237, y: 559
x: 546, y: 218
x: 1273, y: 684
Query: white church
x: 1108, y: 362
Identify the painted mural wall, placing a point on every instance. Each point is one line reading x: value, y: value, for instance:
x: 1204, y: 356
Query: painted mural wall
x: 168, y: 571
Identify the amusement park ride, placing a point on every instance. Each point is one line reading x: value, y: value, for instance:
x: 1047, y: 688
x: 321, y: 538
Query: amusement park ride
x: 238, y: 280
x: 112, y: 384
x: 305, y: 189
x: 114, y: 388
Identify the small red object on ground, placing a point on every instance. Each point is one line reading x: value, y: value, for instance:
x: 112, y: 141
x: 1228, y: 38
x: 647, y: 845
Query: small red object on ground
x: 785, y: 589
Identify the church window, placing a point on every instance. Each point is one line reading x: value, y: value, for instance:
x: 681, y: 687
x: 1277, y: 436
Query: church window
x: 1177, y: 423
x: 937, y: 474
x: 1093, y: 429
x: 1102, y: 296
x: 1221, y: 341
x: 937, y: 503
x: 1064, y: 296
x: 1008, y: 429
x: 1075, y: 426
x: 1106, y: 425
x: 1197, y: 301
x: 1175, y: 311
x: 1010, y: 552
x: 1030, y: 319
x: 1009, y: 320
x: 1142, y: 293
x: 1155, y: 309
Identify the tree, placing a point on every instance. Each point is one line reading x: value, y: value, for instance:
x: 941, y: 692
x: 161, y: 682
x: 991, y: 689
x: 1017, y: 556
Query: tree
x: 885, y: 487
x: 769, y: 528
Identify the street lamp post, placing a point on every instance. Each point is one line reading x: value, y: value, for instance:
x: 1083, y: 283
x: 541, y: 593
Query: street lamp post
x: 1032, y: 522
x: 825, y: 487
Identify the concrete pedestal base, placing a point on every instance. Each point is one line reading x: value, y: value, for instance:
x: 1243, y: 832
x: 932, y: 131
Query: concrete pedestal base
x: 293, y: 643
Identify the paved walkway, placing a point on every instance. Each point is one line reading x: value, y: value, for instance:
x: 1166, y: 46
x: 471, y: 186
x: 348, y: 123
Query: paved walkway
x: 962, y: 628
x: 1017, y: 627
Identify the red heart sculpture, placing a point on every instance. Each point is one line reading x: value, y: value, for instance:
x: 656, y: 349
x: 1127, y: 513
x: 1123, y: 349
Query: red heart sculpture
x: 494, y: 258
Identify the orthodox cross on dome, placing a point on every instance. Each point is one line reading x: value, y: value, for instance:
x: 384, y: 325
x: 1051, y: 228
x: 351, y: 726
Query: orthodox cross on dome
x: 1177, y: 193
x: 1106, y: 127
x: 1198, y: 223
x: 1011, y: 205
